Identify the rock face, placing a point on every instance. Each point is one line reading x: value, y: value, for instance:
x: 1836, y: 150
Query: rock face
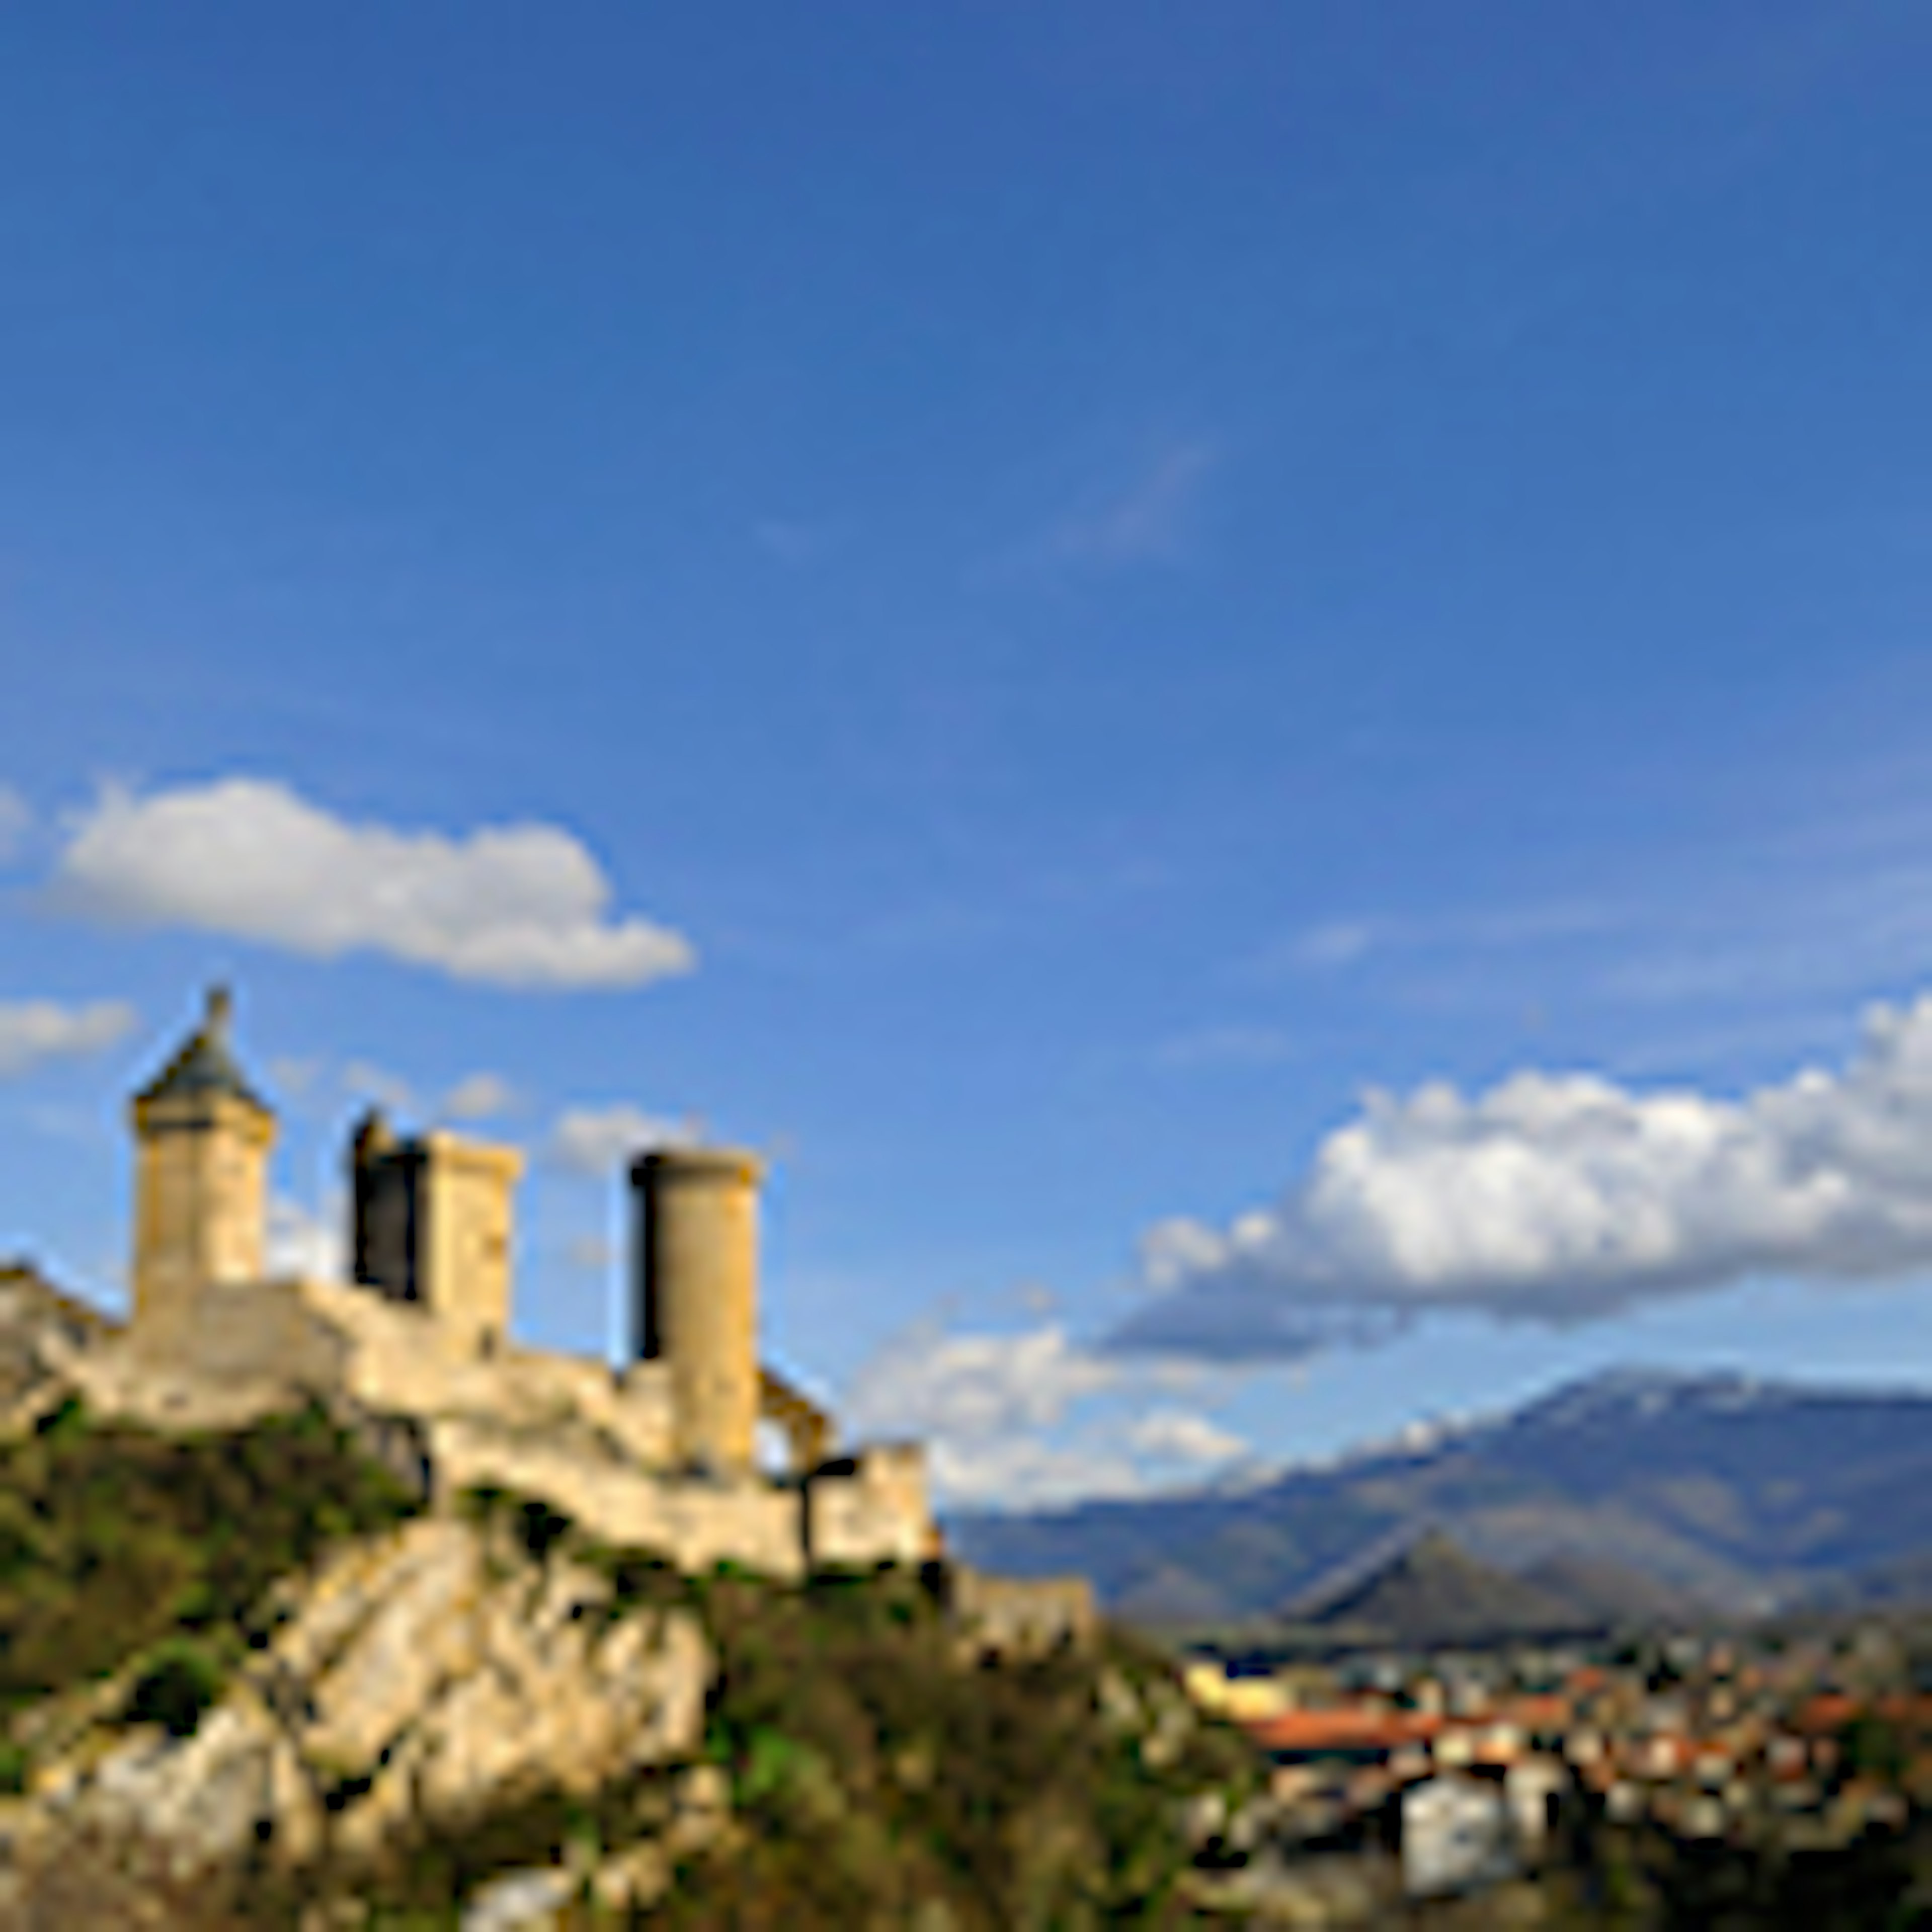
x: 41, y: 1330
x: 419, y: 1680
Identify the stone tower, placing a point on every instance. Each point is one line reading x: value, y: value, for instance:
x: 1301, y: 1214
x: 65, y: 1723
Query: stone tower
x: 433, y: 1222
x: 202, y: 1137
x: 696, y: 1298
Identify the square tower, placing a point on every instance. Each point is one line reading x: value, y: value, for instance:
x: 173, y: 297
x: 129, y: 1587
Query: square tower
x: 434, y: 1221
x: 202, y: 1139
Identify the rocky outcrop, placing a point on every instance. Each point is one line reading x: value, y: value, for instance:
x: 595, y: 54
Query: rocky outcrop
x: 41, y: 1331
x: 415, y: 1682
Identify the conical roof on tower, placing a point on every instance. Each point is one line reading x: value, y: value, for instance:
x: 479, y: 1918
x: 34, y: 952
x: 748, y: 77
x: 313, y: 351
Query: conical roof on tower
x: 204, y: 1067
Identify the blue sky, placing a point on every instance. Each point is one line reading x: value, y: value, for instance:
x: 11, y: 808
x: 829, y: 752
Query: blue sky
x: 1051, y: 595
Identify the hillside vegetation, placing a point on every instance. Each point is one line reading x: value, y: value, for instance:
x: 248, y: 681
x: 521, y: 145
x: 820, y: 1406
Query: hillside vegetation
x: 113, y: 1541
x: 877, y: 1770
x: 860, y: 1765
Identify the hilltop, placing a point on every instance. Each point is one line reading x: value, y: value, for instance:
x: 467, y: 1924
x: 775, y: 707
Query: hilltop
x: 245, y: 1675
x: 1435, y: 1593
x: 249, y: 1675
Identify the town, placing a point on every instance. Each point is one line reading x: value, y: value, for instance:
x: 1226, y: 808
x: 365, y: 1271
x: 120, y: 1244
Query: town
x: 1777, y: 1771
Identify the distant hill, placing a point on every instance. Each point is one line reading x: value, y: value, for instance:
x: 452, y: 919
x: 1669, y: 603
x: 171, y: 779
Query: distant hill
x: 1608, y: 1596
x: 1435, y: 1593
x: 1899, y: 1583
x: 1718, y: 1491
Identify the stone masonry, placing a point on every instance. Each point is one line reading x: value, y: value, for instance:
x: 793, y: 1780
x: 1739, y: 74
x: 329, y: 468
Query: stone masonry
x: 415, y: 1354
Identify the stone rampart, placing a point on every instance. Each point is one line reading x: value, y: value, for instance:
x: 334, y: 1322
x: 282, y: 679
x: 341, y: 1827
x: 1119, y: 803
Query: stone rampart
x: 1017, y: 1617
x: 869, y: 1508
x: 692, y: 1521
x: 239, y: 1351
x: 414, y: 1358
x: 567, y: 1430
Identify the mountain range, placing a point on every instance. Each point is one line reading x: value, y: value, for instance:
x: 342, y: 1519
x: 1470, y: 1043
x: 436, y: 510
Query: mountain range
x: 1665, y: 1491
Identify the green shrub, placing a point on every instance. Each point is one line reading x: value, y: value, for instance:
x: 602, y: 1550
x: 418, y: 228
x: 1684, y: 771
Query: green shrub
x: 640, y: 1579
x: 15, y: 1763
x: 113, y: 1538
x: 181, y: 1681
x: 770, y: 1759
x: 66, y: 1419
x: 540, y: 1528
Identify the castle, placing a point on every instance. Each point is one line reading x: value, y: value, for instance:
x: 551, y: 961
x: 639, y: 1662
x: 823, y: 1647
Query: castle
x: 414, y: 1354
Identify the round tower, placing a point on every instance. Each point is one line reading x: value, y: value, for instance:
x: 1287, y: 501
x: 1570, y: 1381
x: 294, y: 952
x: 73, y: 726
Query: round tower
x: 201, y: 1138
x: 696, y: 1304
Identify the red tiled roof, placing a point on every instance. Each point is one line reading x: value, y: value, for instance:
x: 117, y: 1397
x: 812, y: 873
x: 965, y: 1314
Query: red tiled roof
x: 1356, y: 1727
x: 1343, y: 1729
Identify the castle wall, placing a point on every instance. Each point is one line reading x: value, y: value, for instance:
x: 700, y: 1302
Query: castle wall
x: 599, y: 1446
x: 242, y: 1349
x: 415, y: 1358
x: 1018, y: 1617
x: 807, y: 1429
x: 693, y: 1524
x: 870, y: 1508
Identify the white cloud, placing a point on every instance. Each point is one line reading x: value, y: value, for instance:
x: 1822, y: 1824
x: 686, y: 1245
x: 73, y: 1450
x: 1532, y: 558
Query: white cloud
x: 1338, y: 942
x: 1148, y: 520
x: 481, y: 1096
x: 1029, y: 1472
x: 1564, y: 1196
x: 34, y: 1031
x: 309, y: 1243
x: 477, y: 1096
x: 1032, y: 1418
x: 925, y: 1383
x: 1185, y: 1436
x: 523, y: 905
x: 16, y: 820
x: 390, y: 1091
x: 1227, y: 1046
x: 295, y: 1075
x: 594, y: 1141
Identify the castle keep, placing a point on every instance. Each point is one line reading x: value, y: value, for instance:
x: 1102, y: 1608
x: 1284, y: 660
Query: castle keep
x: 430, y: 1223
x: 414, y: 1351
